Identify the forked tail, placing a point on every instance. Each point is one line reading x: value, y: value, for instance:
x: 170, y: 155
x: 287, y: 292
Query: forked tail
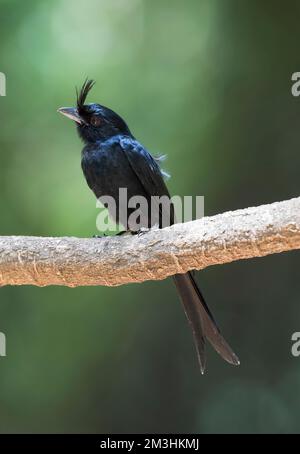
x: 201, y: 320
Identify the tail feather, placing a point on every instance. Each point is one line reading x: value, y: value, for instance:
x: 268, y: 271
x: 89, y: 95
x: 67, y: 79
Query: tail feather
x: 201, y: 320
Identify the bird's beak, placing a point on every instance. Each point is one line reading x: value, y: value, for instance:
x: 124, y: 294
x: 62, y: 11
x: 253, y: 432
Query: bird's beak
x: 72, y: 113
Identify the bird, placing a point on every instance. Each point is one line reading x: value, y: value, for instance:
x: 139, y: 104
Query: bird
x: 112, y: 158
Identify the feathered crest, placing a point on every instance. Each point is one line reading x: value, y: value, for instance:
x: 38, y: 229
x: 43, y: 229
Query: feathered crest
x: 82, y: 95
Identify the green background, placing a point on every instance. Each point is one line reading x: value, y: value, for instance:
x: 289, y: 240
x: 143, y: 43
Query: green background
x: 209, y: 83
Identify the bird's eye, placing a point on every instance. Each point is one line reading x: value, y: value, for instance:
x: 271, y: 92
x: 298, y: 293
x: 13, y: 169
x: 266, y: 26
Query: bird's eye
x: 95, y: 121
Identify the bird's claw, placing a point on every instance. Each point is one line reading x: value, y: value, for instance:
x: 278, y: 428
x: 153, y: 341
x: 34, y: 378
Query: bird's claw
x: 141, y: 231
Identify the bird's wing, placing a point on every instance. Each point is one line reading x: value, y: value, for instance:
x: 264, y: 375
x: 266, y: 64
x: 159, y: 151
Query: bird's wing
x: 146, y: 169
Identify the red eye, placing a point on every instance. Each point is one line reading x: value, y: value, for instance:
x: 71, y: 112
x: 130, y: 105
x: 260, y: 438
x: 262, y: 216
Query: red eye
x: 95, y: 121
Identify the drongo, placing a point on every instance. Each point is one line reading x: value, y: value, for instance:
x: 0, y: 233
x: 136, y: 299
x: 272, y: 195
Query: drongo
x: 112, y: 159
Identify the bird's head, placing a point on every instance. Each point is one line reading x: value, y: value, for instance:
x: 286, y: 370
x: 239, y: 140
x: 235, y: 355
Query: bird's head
x: 94, y: 122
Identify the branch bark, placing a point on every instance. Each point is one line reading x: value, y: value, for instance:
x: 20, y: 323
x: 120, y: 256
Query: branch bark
x: 157, y: 254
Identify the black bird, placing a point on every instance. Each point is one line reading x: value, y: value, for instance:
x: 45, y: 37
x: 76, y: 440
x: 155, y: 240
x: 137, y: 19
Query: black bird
x: 111, y: 159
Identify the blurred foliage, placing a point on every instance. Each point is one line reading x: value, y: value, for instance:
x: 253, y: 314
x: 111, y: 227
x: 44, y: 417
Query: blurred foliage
x: 207, y: 82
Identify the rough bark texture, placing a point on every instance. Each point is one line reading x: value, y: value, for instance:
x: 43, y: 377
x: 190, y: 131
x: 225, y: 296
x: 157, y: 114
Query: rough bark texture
x: 242, y: 234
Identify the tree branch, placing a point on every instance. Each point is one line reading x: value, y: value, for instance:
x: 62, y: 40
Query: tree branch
x: 242, y: 234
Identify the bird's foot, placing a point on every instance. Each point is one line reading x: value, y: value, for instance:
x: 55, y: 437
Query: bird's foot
x: 142, y: 231
x: 122, y: 233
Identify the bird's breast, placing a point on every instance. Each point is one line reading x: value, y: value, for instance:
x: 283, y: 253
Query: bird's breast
x: 107, y: 170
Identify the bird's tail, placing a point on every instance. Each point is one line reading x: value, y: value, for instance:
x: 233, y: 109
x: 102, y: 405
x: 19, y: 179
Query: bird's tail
x: 201, y: 320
